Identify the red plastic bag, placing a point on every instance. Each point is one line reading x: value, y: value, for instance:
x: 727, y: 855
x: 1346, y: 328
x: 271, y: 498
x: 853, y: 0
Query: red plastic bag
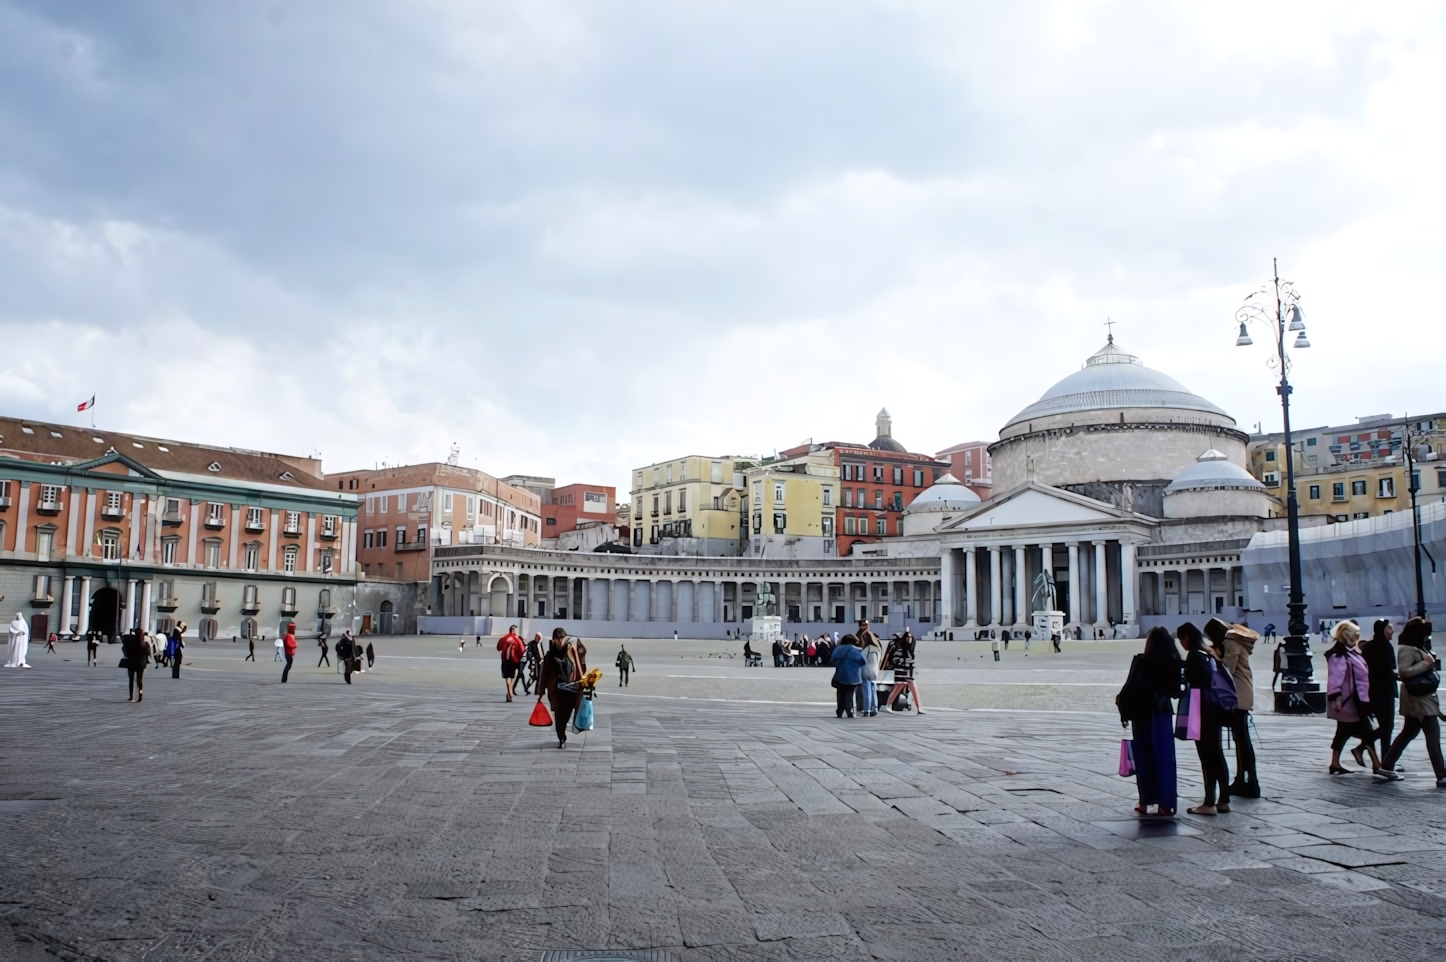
x: 541, y: 717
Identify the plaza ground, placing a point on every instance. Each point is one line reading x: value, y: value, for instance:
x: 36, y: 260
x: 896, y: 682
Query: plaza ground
x: 716, y: 812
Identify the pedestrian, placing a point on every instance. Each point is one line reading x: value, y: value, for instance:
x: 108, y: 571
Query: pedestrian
x: 1420, y: 674
x: 534, y: 664
x: 1201, y: 662
x: 250, y: 648
x: 513, y: 651
x: 1270, y: 634
x: 1004, y: 637
x: 848, y: 664
x: 873, y: 655
x: 136, y: 649
x: 1146, y: 709
x: 174, y: 644
x: 461, y: 645
x: 1348, y: 698
x: 324, y: 660
x: 371, y: 655
x: 625, y: 665
x: 50, y: 643
x: 348, y: 654
x: 288, y: 645
x: 19, y: 643
x: 1380, y: 657
x: 1239, y: 646
x: 777, y: 653
x: 477, y: 642
x: 92, y: 650
x: 581, y: 651
x: 560, y: 673
x: 900, y: 657
x: 675, y: 634
x: 810, y: 653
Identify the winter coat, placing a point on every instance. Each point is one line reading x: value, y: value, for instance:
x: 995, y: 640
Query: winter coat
x: 1239, y: 646
x: 848, y: 663
x: 1348, y: 691
x: 1381, y: 660
x: 1411, y: 662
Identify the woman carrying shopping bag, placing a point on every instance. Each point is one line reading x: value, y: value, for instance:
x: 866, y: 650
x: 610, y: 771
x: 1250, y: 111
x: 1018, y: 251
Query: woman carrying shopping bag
x: 561, y: 673
x: 1202, y: 669
x: 1145, y: 707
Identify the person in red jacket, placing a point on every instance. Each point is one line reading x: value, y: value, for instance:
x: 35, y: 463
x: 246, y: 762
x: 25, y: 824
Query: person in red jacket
x: 288, y: 645
x: 513, y: 651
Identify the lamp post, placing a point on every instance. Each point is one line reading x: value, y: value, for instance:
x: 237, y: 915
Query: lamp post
x: 1277, y: 306
x: 1409, y: 440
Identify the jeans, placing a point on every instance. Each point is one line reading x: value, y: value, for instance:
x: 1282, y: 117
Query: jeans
x: 870, y: 693
x: 846, y: 695
x: 1212, y: 763
x: 1413, y: 726
x: 287, y: 670
x: 1154, y: 749
x: 1244, y: 750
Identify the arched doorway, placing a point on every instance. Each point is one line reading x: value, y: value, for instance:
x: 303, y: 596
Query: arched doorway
x: 105, y: 613
x: 498, y: 592
x: 388, y: 616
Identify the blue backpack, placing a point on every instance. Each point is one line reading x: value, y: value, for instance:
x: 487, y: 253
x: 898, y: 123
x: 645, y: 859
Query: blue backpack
x: 172, y: 646
x: 1220, y: 696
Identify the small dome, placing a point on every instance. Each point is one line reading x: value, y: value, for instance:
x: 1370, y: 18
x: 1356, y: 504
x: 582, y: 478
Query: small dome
x: 946, y: 494
x: 1213, y: 470
x: 1112, y: 378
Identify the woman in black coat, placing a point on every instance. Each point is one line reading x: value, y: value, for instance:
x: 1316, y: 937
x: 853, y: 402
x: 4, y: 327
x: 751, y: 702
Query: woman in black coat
x: 1380, y: 657
x: 1198, y: 672
x: 561, y: 670
x: 1145, y: 706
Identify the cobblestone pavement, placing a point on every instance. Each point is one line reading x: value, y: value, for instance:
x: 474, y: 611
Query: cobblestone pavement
x: 414, y: 815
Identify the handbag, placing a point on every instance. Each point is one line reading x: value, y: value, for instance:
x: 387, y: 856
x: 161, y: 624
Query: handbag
x: 1127, y: 758
x: 1192, y: 727
x: 1423, y: 684
x: 124, y: 662
x: 541, y: 717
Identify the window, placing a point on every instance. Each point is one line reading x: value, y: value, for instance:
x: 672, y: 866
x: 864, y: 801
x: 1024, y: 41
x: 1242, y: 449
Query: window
x: 49, y: 498
x: 827, y: 496
x: 367, y: 540
x: 471, y: 506
x: 657, y: 499
x: 1270, y: 455
x: 1272, y: 479
x: 779, y: 523
x: 384, y: 500
x: 421, y: 534
x: 682, y: 470
x: 213, y: 553
x: 1441, y: 477
x: 758, y: 522
x: 110, y: 545
x: 111, y: 507
x: 670, y: 473
x: 207, y: 629
x: 898, y: 475
x: 778, y: 491
x: 215, y: 513
x: 551, y: 521
x: 446, y: 501
x: 848, y: 472
x: 1359, y: 515
x: 1310, y: 442
x: 827, y: 527
x: 288, y: 559
x: 41, y: 589
x: 898, y: 502
x: 849, y: 525
x: 401, y: 536
x: 667, y: 502
x: 1358, y: 487
x: 253, y: 519
x: 168, y: 550
x: 173, y: 509
x: 1315, y: 492
x: 288, y: 599
x: 252, y: 555
x: 328, y: 526
x: 1338, y: 491
x: 881, y: 526
x: 209, y: 597
x: 879, y: 498
x: 716, y: 475
x: 4, y: 494
x: 918, y: 478
x: 1386, y: 487
x: 44, y: 540
x: 248, y: 598
x: 682, y: 500
x: 326, y: 554
x: 323, y: 599
x: 878, y: 473
x: 293, y: 523
x: 757, y: 492
x: 860, y: 497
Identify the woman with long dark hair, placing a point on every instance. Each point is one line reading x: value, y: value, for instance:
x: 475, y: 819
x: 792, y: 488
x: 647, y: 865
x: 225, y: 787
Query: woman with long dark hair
x: 1348, y: 697
x: 1146, y: 708
x: 1421, y: 709
x: 1380, y: 657
x: 1198, y: 674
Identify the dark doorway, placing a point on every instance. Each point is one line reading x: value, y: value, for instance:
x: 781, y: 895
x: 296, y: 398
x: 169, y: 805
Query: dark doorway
x: 105, y: 612
x: 387, y: 618
x: 39, y: 627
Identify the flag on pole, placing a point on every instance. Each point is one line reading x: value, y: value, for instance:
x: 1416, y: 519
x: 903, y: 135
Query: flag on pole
x: 86, y: 405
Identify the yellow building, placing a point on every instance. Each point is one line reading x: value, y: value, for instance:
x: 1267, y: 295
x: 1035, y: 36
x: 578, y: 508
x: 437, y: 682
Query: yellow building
x: 1350, y: 491
x: 791, y: 508
x: 689, y: 506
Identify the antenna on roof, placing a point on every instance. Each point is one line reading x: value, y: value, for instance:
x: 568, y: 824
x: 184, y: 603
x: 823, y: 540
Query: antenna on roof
x: 454, y: 454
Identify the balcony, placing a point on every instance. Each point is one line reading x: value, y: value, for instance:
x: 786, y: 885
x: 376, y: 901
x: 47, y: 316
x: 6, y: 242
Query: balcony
x: 48, y: 507
x: 291, y: 530
x: 215, y: 522
x: 289, y: 609
x: 410, y: 546
x: 329, y: 534
x: 255, y: 524
x: 328, y: 611
x: 171, y: 518
x: 38, y: 600
x: 168, y: 604
x: 112, y: 511
x: 210, y: 605
x: 250, y: 606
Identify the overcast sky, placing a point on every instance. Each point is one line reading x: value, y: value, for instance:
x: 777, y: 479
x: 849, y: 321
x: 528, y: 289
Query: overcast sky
x: 579, y: 237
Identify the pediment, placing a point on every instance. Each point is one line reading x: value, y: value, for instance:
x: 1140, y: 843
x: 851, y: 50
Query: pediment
x: 1034, y: 504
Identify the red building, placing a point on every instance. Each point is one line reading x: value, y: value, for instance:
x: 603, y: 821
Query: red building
x: 969, y: 462
x: 878, y: 481
x: 578, y: 503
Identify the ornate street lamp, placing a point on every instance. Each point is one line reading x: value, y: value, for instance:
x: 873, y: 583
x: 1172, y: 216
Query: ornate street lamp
x: 1276, y: 306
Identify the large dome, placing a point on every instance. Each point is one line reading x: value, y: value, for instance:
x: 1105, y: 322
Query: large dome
x: 1113, y: 379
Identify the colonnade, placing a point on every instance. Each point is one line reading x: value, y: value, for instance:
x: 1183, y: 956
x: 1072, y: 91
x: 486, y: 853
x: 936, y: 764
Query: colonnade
x: 1179, y: 588
x: 1091, y: 591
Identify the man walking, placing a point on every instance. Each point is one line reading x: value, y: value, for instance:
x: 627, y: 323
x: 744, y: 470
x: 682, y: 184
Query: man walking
x: 288, y: 645
x: 346, y: 655
x: 324, y: 659
x: 513, y: 651
x: 625, y: 666
x: 250, y: 649
x: 371, y: 655
x: 92, y: 649
x: 534, y: 663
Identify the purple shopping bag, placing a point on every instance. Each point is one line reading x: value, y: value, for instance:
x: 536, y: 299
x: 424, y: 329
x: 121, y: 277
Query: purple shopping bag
x: 1127, y: 758
x: 1192, y: 726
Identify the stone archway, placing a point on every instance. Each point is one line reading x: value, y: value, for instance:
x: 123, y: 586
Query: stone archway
x: 498, y: 590
x: 105, y: 613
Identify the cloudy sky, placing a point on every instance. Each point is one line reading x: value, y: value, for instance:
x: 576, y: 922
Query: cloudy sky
x: 578, y: 237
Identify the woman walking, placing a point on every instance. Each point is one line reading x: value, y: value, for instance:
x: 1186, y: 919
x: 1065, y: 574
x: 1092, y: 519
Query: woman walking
x: 1380, y: 657
x: 1201, y: 662
x: 137, y: 650
x: 1146, y: 708
x: 1348, y: 697
x: 873, y: 654
x: 1239, y: 646
x: 560, y: 673
x: 1420, y: 674
x: 900, y: 657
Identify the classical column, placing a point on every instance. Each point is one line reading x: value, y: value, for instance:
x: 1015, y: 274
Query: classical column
x: 971, y: 590
x: 1102, y: 583
x: 129, y: 621
x: 1073, y: 549
x: 946, y: 581
x: 145, y: 613
x: 1129, y: 578
x: 996, y: 586
x: 82, y: 617
x: 65, y: 605
x: 1021, y: 585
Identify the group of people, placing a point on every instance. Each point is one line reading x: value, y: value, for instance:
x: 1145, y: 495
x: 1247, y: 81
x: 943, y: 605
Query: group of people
x: 800, y: 652
x: 1197, y: 696
x: 526, y: 663
x: 857, y: 660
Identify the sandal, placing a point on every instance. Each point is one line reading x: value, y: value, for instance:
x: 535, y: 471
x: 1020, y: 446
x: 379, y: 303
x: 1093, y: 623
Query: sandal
x: 1165, y: 812
x: 1202, y: 810
x: 1142, y: 809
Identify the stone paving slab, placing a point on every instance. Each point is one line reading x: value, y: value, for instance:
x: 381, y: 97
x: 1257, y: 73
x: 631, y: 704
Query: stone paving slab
x: 229, y: 817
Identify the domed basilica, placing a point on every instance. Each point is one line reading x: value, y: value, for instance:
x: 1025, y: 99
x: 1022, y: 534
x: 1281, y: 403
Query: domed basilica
x: 1122, y: 498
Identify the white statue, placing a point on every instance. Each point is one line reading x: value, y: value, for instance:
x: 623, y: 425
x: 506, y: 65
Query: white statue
x: 19, y: 643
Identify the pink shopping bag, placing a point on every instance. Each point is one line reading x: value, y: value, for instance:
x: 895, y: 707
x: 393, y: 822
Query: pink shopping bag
x: 1192, y: 725
x: 1127, y: 758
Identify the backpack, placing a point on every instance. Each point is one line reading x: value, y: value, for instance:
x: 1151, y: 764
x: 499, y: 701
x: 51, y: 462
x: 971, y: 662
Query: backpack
x: 1220, y: 696
x: 1137, y: 698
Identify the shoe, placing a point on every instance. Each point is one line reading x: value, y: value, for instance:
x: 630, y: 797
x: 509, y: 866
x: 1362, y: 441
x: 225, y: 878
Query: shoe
x: 1386, y: 775
x: 141, y: 696
x: 838, y: 714
x: 1441, y: 783
x: 1359, y: 755
x: 509, y: 697
x: 851, y: 714
x: 1248, y: 790
x: 1337, y: 770
x: 1223, y: 808
x: 1202, y: 810
x: 1165, y: 812
x: 1142, y: 809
